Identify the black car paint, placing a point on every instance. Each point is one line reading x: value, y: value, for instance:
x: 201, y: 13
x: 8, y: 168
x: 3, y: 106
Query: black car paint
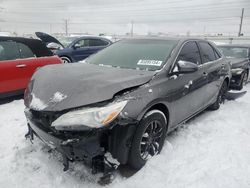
x: 178, y: 96
x: 37, y: 46
x: 80, y: 81
x: 242, y: 64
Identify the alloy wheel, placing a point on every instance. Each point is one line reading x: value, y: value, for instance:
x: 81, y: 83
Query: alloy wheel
x: 150, y: 141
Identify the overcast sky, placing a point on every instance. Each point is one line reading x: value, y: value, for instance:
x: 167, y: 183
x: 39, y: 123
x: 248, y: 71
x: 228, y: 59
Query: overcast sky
x: 115, y: 16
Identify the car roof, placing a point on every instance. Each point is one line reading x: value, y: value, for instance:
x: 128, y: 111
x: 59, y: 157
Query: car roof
x: 91, y: 37
x: 37, y: 46
x: 235, y: 45
x: 180, y: 39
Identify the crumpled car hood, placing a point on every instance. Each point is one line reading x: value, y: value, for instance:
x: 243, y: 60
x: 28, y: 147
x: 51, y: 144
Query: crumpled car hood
x: 238, y: 62
x: 60, y: 87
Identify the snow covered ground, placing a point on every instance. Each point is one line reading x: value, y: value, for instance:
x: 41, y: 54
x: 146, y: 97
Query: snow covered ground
x: 212, y: 150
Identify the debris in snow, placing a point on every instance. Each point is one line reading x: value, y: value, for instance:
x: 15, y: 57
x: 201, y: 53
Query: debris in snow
x: 58, y: 97
x: 111, y: 159
x: 36, y: 103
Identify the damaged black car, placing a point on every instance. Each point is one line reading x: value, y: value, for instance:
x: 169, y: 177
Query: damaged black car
x: 123, y: 100
x: 239, y: 56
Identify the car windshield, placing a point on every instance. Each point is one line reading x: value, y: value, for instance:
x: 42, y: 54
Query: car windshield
x: 141, y: 54
x: 66, y: 41
x: 234, y: 52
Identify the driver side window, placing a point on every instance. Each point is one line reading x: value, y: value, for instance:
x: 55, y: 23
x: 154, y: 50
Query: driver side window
x: 82, y: 43
x: 190, y: 52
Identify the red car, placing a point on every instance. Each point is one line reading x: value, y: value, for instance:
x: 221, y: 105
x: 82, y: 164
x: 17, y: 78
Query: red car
x: 19, y: 59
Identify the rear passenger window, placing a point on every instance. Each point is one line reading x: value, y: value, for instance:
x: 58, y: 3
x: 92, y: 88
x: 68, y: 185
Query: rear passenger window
x: 8, y: 51
x: 190, y: 52
x: 97, y: 42
x: 207, y: 52
x: 25, y: 51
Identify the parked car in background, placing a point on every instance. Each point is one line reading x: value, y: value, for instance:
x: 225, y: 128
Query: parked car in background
x: 19, y: 59
x: 125, y: 99
x: 239, y: 56
x: 78, y: 48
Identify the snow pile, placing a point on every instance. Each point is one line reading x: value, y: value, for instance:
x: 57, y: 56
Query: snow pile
x: 36, y: 103
x: 58, y: 97
x: 212, y: 150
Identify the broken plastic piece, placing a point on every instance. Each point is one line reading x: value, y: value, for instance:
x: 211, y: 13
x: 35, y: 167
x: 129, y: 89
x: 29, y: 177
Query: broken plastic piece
x: 30, y: 134
x: 65, y: 163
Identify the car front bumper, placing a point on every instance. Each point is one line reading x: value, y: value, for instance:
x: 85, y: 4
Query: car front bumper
x: 82, y: 147
x: 89, y: 146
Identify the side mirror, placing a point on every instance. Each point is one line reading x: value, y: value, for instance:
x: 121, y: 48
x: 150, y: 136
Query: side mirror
x: 186, y: 67
x: 54, y: 46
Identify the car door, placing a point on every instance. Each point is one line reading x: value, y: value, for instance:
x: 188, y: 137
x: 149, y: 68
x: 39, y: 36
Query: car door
x: 96, y: 44
x: 28, y: 63
x: 187, y: 90
x: 81, y: 49
x: 9, y: 67
x: 213, y: 65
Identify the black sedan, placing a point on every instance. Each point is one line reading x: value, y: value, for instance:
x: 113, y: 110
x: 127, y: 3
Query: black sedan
x: 239, y: 55
x: 125, y: 99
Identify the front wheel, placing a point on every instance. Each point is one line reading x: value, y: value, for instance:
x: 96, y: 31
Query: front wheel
x: 221, y: 97
x: 244, y: 78
x: 148, y: 139
x: 65, y: 60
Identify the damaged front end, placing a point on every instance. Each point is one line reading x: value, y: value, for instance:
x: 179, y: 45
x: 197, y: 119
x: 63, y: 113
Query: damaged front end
x: 77, y: 142
x: 235, y: 82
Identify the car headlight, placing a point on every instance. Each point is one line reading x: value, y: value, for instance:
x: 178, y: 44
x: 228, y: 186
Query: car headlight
x: 237, y: 71
x: 89, y: 117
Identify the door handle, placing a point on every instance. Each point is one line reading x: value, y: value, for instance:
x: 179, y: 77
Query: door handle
x: 21, y: 66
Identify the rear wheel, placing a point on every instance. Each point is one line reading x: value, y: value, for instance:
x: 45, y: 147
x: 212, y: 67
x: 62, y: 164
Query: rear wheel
x: 221, y: 97
x: 65, y: 60
x: 148, y: 139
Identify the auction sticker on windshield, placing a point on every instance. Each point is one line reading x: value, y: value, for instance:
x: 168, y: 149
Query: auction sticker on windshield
x: 149, y: 62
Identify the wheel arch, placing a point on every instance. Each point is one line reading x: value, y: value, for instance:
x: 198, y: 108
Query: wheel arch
x: 67, y: 56
x: 227, y: 80
x: 158, y: 106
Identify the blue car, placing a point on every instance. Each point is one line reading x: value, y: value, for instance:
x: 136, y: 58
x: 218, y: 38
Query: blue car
x: 75, y: 48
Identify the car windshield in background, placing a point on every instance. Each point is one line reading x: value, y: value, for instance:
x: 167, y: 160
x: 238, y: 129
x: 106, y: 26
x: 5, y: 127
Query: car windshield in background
x: 67, y: 40
x: 234, y: 52
x: 142, y: 54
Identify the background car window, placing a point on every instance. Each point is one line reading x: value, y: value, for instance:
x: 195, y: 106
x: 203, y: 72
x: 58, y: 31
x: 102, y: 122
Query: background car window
x: 234, y: 52
x: 9, y: 51
x: 25, y: 51
x: 190, y: 52
x: 82, y: 43
x: 207, y: 52
x: 97, y: 42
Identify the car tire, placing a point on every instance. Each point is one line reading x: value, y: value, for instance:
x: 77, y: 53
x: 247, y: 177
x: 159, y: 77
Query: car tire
x: 148, y: 139
x: 244, y: 78
x: 65, y: 60
x: 221, y: 97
